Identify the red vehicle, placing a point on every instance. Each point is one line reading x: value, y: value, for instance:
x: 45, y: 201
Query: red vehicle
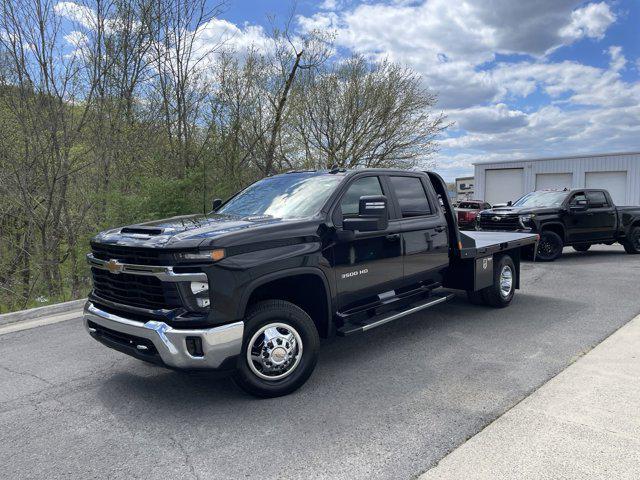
x: 467, y: 212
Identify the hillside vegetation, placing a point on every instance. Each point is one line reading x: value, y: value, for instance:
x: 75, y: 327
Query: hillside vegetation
x: 127, y: 110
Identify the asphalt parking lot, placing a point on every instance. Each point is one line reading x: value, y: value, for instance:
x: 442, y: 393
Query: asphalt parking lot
x: 386, y: 404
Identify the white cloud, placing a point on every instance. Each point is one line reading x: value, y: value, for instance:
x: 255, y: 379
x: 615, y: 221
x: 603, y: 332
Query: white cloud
x: 454, y: 45
x: 618, y: 61
x: 491, y: 119
x: 329, y: 5
x: 590, y: 21
x: 220, y: 32
x: 467, y: 31
x: 81, y: 14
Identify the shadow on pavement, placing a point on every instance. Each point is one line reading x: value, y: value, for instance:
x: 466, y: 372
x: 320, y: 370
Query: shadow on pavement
x: 170, y: 392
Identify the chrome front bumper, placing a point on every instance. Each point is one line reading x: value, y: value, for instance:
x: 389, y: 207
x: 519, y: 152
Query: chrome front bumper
x: 219, y: 344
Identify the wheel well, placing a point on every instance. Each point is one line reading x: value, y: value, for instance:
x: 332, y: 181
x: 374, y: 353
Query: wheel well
x: 556, y: 228
x: 307, y: 291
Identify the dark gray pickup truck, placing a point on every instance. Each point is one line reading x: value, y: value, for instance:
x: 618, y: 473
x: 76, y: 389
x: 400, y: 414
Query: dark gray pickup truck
x: 577, y: 218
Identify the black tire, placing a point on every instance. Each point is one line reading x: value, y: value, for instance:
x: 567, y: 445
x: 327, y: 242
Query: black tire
x: 632, y: 243
x: 583, y: 247
x: 281, y: 312
x: 550, y: 246
x: 494, y: 295
x: 475, y: 297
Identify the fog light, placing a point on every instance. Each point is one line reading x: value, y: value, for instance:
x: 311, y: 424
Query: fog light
x: 203, y: 302
x: 194, y: 346
x: 199, y: 287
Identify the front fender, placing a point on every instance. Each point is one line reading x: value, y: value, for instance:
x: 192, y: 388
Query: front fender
x: 282, y: 274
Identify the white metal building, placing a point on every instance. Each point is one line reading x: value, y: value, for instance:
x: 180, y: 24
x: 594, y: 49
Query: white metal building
x: 499, y: 182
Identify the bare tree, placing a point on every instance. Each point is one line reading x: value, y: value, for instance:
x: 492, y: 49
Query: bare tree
x: 50, y: 105
x: 358, y: 114
x: 182, y: 59
x: 291, y: 54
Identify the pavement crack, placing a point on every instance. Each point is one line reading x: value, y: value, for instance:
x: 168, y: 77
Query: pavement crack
x: 26, y: 374
x: 186, y: 455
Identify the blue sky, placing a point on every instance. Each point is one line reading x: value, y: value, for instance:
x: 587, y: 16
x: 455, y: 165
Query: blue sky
x: 519, y: 78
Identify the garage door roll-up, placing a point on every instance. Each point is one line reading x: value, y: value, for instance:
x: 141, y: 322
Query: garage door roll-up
x: 503, y: 185
x: 615, y: 182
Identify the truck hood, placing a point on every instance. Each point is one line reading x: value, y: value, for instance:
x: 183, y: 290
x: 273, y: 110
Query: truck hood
x: 521, y: 210
x: 187, y: 231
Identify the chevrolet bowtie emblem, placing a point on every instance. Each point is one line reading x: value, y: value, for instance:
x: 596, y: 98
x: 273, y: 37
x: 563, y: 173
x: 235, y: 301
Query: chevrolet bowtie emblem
x: 114, y: 266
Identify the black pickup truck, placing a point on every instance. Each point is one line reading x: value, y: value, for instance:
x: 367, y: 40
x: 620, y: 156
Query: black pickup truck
x: 252, y: 286
x: 577, y: 218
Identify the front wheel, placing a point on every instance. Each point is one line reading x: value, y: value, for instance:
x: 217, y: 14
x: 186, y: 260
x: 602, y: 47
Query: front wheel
x: 632, y: 242
x: 279, y: 349
x: 503, y: 289
x: 549, y: 247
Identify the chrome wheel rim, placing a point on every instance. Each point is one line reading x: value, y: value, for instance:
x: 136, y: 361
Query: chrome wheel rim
x: 506, y: 281
x: 274, y: 351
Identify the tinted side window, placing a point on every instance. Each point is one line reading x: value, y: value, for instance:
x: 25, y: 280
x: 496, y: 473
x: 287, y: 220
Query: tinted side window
x: 597, y: 199
x: 350, y: 203
x: 411, y: 196
x: 579, y: 197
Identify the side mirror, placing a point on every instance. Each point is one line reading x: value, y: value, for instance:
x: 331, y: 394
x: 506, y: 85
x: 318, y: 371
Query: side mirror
x: 509, y: 203
x: 217, y: 202
x: 373, y: 215
x: 579, y: 206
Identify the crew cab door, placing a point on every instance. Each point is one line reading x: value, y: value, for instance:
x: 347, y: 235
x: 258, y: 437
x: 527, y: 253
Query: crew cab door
x: 424, y: 229
x: 602, y: 215
x: 368, y: 263
x: 591, y: 217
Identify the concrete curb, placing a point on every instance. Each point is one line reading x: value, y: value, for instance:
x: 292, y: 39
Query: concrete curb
x: 31, y: 313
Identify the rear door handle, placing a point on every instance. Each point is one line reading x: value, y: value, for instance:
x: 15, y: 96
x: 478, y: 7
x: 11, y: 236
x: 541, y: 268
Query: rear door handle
x: 439, y: 229
x: 393, y: 237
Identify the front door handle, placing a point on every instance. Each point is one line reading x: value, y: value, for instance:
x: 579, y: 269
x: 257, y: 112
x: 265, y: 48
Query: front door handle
x: 393, y: 237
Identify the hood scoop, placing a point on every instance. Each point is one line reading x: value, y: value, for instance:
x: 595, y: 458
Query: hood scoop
x: 147, y: 232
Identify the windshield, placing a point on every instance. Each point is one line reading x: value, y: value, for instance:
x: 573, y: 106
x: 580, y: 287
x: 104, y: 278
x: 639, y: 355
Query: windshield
x: 472, y: 205
x: 294, y: 195
x: 541, y: 199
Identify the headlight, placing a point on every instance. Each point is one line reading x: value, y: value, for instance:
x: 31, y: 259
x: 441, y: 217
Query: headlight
x: 525, y: 219
x: 203, y: 255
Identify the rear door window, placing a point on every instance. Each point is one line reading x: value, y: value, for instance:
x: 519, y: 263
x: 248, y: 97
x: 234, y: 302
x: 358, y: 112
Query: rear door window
x: 411, y: 196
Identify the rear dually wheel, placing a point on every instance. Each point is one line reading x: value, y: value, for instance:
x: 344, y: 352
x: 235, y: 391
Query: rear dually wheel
x: 501, y: 293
